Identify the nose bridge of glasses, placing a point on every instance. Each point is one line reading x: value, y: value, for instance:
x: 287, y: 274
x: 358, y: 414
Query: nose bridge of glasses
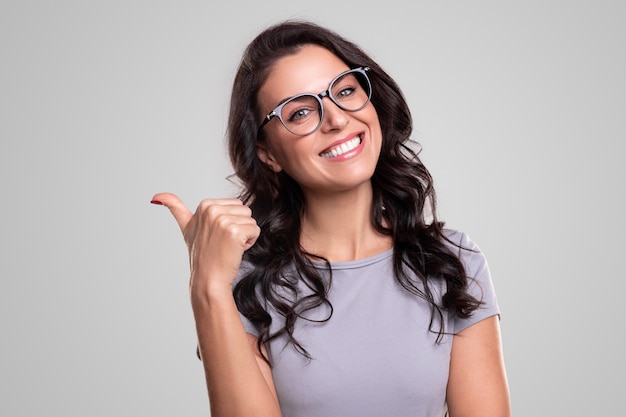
x: 330, y: 96
x: 325, y: 94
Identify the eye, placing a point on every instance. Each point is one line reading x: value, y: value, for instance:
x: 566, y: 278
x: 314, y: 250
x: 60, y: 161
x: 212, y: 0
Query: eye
x: 345, y: 92
x: 345, y: 87
x: 300, y: 109
x: 299, y: 114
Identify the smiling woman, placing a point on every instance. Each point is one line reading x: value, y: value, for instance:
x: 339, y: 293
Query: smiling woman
x: 330, y: 287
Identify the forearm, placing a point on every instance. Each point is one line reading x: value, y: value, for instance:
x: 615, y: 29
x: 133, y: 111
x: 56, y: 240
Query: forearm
x: 235, y: 382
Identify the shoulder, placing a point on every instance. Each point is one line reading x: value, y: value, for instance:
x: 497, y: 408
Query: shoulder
x: 460, y: 240
x: 466, y: 249
x: 473, y: 259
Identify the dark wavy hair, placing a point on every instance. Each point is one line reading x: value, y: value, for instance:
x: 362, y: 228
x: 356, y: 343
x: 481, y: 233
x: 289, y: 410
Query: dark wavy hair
x: 404, y: 205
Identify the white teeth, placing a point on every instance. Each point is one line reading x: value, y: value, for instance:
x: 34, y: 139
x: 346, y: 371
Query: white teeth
x: 343, y: 148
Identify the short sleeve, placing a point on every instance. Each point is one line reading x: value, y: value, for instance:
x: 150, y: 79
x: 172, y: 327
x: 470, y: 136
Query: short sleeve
x: 480, y: 284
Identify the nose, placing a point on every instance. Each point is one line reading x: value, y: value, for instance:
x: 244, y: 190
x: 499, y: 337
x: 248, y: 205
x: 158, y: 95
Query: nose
x: 335, y: 118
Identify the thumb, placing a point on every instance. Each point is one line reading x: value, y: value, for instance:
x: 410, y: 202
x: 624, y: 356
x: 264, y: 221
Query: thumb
x: 178, y: 209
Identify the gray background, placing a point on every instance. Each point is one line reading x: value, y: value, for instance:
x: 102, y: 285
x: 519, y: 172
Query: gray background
x: 520, y: 109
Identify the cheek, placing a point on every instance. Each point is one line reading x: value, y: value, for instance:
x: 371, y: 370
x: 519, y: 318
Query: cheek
x: 289, y: 152
x: 278, y: 141
x: 371, y: 117
x: 375, y: 127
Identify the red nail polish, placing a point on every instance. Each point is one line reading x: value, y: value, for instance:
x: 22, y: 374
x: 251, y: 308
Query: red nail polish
x: 156, y: 202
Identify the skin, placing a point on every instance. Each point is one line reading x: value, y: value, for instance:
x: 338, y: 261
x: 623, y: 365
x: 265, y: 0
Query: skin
x: 337, y: 191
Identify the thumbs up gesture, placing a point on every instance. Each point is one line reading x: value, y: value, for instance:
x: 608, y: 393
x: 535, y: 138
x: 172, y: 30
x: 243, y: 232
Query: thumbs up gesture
x: 217, y: 235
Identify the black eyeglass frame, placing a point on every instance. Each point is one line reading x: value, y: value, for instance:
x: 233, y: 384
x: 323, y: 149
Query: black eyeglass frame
x: 327, y: 93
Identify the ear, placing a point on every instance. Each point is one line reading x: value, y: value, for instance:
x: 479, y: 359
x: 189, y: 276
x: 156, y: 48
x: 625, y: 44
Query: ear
x: 266, y: 156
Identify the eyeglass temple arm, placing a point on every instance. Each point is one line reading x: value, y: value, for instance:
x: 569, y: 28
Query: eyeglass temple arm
x: 267, y: 119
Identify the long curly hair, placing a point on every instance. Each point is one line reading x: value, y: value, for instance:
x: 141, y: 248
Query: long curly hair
x: 404, y: 201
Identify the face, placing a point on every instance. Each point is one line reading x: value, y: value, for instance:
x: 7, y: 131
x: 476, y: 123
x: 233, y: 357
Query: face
x: 341, y: 154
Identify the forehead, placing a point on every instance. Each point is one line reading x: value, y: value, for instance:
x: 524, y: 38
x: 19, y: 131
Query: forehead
x: 309, y: 70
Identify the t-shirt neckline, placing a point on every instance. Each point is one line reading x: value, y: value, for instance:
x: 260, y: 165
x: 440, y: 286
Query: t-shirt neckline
x: 357, y: 263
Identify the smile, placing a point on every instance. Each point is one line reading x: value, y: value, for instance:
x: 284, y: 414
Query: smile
x: 343, y: 148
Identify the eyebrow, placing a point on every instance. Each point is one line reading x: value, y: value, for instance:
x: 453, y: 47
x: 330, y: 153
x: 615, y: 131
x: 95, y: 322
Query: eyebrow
x: 288, y: 98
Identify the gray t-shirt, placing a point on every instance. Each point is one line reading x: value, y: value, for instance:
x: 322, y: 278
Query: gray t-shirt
x: 376, y: 356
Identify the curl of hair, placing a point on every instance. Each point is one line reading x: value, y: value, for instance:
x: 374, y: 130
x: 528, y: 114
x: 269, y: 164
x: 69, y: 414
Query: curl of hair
x: 404, y: 205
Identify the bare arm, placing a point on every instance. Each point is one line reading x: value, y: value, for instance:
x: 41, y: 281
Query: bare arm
x: 477, y: 386
x: 239, y: 381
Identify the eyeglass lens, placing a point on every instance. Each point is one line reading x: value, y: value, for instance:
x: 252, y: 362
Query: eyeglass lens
x: 302, y: 114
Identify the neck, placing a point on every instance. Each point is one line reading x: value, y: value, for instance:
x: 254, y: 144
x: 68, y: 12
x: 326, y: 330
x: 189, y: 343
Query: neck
x: 338, y: 226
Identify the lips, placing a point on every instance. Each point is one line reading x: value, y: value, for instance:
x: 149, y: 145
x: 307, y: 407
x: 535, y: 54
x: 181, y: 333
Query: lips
x: 342, y: 148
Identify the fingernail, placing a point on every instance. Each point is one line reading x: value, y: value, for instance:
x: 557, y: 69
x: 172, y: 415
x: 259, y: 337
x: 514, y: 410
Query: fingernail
x: 157, y: 202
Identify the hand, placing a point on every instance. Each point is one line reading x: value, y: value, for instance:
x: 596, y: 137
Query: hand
x: 217, y: 235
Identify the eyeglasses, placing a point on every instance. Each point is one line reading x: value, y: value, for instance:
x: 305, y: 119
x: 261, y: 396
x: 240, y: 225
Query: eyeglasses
x: 303, y: 114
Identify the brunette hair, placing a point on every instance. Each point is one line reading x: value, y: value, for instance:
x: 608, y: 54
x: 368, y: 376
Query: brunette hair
x: 404, y: 205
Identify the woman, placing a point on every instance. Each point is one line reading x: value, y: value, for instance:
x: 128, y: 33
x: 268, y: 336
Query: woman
x: 330, y: 287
